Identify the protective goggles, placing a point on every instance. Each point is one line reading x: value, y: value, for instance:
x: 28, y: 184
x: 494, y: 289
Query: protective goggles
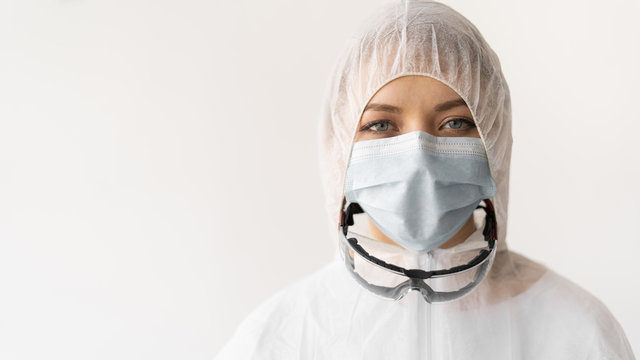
x: 440, y: 275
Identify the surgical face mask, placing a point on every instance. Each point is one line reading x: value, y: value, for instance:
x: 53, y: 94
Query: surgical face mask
x: 418, y: 189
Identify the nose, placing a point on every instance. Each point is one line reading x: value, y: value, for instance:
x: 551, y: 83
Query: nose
x: 419, y: 122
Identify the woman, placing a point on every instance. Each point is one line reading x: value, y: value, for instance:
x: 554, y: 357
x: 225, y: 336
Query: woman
x: 416, y: 146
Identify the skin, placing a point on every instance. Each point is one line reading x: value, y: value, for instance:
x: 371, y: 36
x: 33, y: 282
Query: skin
x: 412, y: 103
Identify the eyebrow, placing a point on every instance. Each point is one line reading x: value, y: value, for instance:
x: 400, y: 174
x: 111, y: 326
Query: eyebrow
x: 394, y: 109
x: 450, y: 104
x: 383, y: 107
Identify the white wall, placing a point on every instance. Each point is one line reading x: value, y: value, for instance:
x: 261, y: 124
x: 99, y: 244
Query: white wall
x: 158, y: 166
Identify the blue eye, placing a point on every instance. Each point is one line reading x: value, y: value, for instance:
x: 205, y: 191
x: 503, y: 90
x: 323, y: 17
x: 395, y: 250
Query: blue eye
x: 459, y: 123
x: 377, y: 126
x: 382, y: 126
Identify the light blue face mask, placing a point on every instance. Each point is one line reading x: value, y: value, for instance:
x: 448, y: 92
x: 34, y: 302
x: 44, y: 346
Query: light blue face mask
x: 417, y: 188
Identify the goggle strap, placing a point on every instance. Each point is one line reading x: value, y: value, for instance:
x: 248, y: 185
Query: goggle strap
x: 489, y: 232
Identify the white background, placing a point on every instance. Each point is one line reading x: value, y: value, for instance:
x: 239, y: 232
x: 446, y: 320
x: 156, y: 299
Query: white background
x: 158, y: 165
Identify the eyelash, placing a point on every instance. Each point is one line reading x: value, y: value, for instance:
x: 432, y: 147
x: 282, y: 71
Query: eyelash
x: 469, y: 123
x: 368, y: 126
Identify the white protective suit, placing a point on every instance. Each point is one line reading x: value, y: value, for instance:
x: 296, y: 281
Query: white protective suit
x: 521, y: 310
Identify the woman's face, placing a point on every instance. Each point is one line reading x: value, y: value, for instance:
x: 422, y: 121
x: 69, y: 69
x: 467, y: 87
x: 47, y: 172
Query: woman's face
x: 412, y: 103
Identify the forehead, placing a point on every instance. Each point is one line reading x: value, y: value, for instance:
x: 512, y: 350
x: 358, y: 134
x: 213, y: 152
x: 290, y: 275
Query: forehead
x: 414, y: 88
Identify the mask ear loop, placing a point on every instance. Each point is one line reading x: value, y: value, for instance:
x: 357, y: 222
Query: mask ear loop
x: 489, y: 232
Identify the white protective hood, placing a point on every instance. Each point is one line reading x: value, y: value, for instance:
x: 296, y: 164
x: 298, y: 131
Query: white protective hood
x: 417, y: 38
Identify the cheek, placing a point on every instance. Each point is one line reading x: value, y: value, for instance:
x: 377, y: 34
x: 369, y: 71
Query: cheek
x: 360, y: 135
